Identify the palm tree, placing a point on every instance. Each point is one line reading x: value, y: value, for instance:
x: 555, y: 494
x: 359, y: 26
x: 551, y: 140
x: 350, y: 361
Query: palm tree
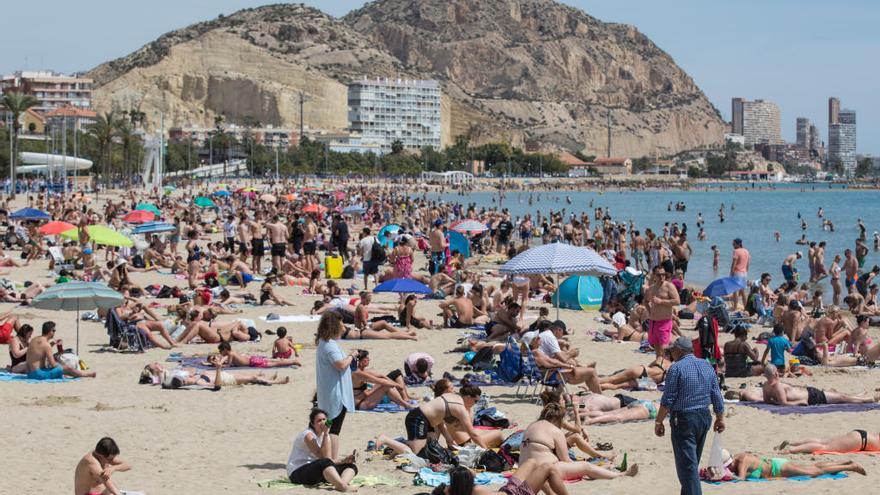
x: 104, y: 129
x: 126, y: 135
x: 16, y: 103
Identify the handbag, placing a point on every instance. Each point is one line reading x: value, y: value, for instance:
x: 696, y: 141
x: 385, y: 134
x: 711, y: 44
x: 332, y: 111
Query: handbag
x: 435, y: 453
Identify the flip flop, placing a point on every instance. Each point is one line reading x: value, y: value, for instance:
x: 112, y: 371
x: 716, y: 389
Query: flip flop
x: 603, y: 446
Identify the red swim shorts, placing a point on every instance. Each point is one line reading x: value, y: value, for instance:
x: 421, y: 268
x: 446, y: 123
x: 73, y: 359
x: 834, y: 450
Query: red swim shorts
x: 660, y: 332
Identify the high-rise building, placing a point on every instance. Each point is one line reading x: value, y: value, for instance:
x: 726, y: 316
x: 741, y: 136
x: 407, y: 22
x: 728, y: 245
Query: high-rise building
x: 757, y: 121
x: 842, y: 141
x: 803, y: 133
x: 833, y: 110
x: 736, y: 122
x: 386, y: 110
x: 51, y: 89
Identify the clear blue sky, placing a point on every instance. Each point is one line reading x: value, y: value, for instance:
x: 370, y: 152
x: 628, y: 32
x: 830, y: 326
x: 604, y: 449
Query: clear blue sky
x: 796, y: 53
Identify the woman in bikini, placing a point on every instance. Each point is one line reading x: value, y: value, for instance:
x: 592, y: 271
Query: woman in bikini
x: 530, y: 478
x: 629, y: 378
x: 156, y: 374
x: 544, y: 441
x: 853, y: 441
x: 18, y: 349
x: 575, y: 434
x: 267, y: 293
x: 407, y: 314
x: 234, y: 359
x: 741, y: 360
x: 370, y: 388
x: 749, y: 466
x: 211, y: 332
x: 492, y: 438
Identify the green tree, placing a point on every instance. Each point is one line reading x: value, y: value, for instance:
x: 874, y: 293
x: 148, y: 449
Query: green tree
x: 103, y: 130
x: 641, y: 164
x: 396, y: 147
x: 16, y: 103
x: 864, y: 168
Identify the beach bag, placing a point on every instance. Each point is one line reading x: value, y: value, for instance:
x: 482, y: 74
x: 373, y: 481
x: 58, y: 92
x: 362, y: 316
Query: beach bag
x: 510, y: 367
x: 377, y: 253
x: 482, y: 359
x: 348, y: 272
x: 435, y: 453
x: 333, y: 267
x: 492, y: 461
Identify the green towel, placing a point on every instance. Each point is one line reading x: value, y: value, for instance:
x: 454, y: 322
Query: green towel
x: 358, y: 481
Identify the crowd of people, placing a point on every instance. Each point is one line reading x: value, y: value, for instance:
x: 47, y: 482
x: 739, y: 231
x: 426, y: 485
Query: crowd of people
x: 255, y: 248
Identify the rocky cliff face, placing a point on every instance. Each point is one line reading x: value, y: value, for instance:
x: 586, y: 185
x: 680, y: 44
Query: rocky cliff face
x: 522, y: 71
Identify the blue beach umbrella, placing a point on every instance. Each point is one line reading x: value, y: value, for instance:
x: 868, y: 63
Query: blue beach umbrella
x: 30, y: 214
x: 223, y: 193
x: 152, y: 227
x: 723, y: 286
x: 353, y: 210
x: 403, y: 285
x: 76, y: 296
x: 392, y: 229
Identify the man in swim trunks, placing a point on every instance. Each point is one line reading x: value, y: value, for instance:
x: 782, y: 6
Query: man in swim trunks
x: 661, y: 298
x: 41, y: 363
x: 278, y: 235
x: 258, y: 246
x: 783, y: 394
x: 92, y: 474
x: 459, y: 312
x: 788, y: 269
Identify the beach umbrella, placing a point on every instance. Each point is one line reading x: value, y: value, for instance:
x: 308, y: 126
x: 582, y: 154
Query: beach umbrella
x: 388, y: 241
x: 149, y: 207
x: 403, y: 285
x: 558, y: 258
x: 56, y: 227
x: 470, y: 226
x: 268, y: 198
x: 223, y: 186
x: 314, y: 208
x: 223, y: 193
x: 152, y: 227
x: 724, y: 286
x: 139, y: 216
x: 339, y: 195
x: 458, y: 242
x: 354, y: 210
x: 170, y: 188
x: 289, y: 197
x: 204, y: 202
x: 30, y: 214
x: 99, y: 234
x: 76, y: 296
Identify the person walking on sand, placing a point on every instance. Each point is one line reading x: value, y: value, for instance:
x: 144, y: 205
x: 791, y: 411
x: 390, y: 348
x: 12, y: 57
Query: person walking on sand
x: 661, y: 298
x: 691, y: 385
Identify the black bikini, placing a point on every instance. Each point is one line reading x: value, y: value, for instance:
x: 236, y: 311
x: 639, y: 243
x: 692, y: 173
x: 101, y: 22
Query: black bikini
x: 864, y: 435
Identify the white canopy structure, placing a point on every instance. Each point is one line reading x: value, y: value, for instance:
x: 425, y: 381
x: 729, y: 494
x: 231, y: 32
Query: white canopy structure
x: 45, y: 163
x: 153, y: 161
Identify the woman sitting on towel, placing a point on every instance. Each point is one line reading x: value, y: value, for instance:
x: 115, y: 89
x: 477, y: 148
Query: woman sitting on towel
x: 18, y: 348
x: 575, y: 435
x: 853, y: 441
x: 749, y: 466
x: 310, y: 461
x: 492, y: 438
x: 407, y: 314
x: 544, y: 442
x: 370, y: 388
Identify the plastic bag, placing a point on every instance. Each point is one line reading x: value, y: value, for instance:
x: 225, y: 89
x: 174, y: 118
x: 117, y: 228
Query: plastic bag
x: 717, y: 457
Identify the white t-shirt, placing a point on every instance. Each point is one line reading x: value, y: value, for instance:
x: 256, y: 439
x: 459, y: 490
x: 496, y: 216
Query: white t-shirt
x: 300, y: 455
x: 229, y: 229
x: 528, y: 337
x: 366, y: 247
x: 549, y: 344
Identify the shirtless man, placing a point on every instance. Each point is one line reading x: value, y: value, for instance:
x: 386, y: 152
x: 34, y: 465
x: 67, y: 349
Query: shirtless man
x: 851, y: 268
x: 638, y: 250
x: 682, y: 252
x: 783, y: 394
x: 739, y: 268
x: 789, y: 271
x: 258, y: 246
x: 92, y: 475
x: 438, y: 246
x: 459, y: 312
x: 310, y: 236
x: 243, y: 234
x: 831, y: 329
x: 794, y: 320
x: 239, y: 270
x: 278, y: 235
x: 41, y: 363
x: 661, y: 298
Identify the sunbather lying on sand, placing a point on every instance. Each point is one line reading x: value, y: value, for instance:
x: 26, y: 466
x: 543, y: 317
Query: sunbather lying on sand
x: 750, y: 466
x: 629, y: 378
x: 853, y: 441
x: 783, y: 394
x: 234, y: 359
x: 175, y: 378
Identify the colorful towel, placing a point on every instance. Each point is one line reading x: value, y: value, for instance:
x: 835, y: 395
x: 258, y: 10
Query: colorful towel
x: 427, y: 477
x: 836, y: 476
x: 822, y: 409
x: 857, y: 452
x: 6, y: 376
x: 386, y: 408
x: 198, y: 362
x: 357, y: 481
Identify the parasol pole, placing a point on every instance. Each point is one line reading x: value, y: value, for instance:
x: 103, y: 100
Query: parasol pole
x: 77, y: 327
x: 557, y: 296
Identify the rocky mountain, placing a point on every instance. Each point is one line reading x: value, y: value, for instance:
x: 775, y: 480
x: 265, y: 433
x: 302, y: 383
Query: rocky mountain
x: 521, y: 71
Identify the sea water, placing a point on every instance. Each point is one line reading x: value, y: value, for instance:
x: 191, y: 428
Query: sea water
x: 753, y: 215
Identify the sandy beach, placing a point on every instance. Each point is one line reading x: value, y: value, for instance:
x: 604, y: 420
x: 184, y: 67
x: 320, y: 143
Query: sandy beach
x: 205, y: 442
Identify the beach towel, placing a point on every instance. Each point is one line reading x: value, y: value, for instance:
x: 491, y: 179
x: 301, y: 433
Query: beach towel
x: 427, y: 477
x: 858, y: 452
x: 357, y: 481
x: 6, y: 376
x: 821, y: 409
x: 294, y: 319
x: 199, y: 362
x: 390, y: 407
x: 836, y: 476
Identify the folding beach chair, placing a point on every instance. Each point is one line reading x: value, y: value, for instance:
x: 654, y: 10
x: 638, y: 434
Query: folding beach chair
x: 123, y: 336
x: 726, y: 322
x: 58, y: 263
x: 538, y: 379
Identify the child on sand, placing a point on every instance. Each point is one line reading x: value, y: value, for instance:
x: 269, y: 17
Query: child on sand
x: 235, y: 359
x: 776, y: 347
x: 283, y: 347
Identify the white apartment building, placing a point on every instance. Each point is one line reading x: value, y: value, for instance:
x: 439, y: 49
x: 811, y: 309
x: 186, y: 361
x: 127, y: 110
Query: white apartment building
x: 53, y: 90
x: 382, y: 111
x: 757, y: 121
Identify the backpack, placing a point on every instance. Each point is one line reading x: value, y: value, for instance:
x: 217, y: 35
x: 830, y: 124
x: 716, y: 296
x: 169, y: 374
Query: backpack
x: 482, y: 359
x: 377, y: 253
x: 348, y: 272
x: 435, y: 453
x: 492, y: 461
x: 510, y: 367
